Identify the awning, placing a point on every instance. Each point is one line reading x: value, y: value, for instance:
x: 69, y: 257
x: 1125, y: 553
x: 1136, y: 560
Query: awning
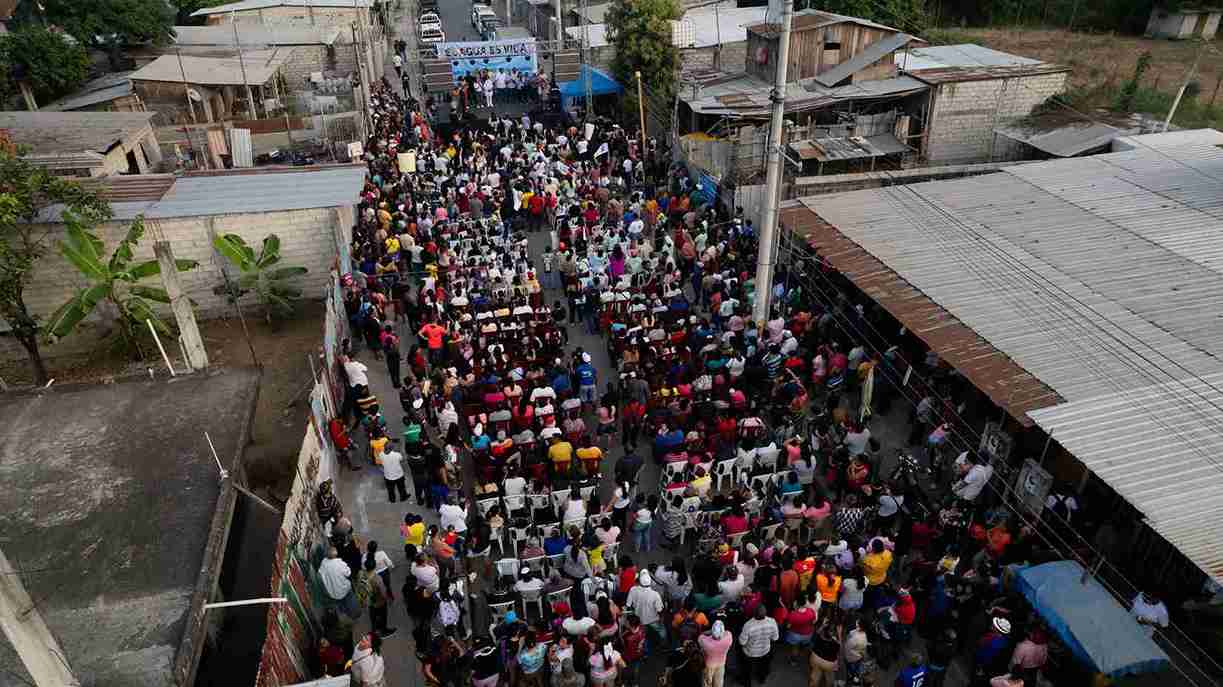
x: 600, y: 84
x: 1089, y: 621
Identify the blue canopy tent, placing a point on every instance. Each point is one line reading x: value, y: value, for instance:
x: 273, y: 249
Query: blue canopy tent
x: 1097, y: 630
x: 600, y: 84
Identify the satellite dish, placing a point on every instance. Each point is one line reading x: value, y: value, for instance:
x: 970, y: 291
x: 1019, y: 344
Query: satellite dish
x: 195, y: 95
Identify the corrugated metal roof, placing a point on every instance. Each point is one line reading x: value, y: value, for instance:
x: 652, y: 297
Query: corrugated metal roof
x: 962, y: 74
x: 131, y: 188
x: 246, y: 191
x: 961, y: 55
x: 72, y: 132
x: 256, y: 35
x: 100, y: 90
x: 1101, y: 277
x: 872, y: 54
x: 1069, y: 140
x: 748, y: 96
x: 254, y: 67
x: 847, y: 148
x: 814, y: 19
x: 728, y: 23
x: 247, y: 5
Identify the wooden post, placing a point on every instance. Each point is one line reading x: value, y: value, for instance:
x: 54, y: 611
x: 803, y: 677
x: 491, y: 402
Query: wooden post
x: 25, y: 629
x: 1216, y: 90
x: 28, y: 96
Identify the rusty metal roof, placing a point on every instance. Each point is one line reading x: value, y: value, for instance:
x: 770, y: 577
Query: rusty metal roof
x: 814, y: 19
x: 941, y: 75
x: 121, y: 188
x: 993, y: 372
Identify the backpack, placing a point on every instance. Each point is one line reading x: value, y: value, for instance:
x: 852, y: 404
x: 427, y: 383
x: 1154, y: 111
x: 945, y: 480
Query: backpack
x: 688, y: 629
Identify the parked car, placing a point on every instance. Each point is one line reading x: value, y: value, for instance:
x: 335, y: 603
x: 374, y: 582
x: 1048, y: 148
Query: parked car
x: 430, y: 19
x: 432, y: 34
x: 481, y: 13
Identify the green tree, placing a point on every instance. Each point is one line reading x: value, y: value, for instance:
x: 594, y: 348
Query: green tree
x: 114, y: 282
x: 260, y: 274
x: 641, y: 32
x: 26, y: 192
x: 51, y: 64
x: 109, y: 24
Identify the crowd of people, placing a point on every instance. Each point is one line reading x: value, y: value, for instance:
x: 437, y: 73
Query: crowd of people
x: 712, y: 497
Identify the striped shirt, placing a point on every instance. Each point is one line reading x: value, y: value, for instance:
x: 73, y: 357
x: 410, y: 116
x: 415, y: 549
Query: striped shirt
x: 757, y: 636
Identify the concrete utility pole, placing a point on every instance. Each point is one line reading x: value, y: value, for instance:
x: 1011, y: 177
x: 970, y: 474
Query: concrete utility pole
x: 560, y: 26
x: 188, y: 329
x: 768, y: 225
x: 28, y: 633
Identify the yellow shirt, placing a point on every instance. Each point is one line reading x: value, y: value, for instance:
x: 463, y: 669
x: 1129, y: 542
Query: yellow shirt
x: 414, y: 535
x: 590, y: 453
x: 875, y: 566
x: 561, y: 452
x: 378, y: 445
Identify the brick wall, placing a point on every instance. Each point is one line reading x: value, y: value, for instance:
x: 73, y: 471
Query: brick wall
x: 965, y: 115
x: 307, y: 238
x: 304, y: 60
x: 733, y: 57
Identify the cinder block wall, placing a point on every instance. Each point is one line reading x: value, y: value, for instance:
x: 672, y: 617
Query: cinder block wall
x: 965, y: 115
x: 307, y: 238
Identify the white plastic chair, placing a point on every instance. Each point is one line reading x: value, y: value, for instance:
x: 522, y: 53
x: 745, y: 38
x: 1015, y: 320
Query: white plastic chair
x: 508, y: 566
x: 673, y: 472
x: 722, y: 470
x: 485, y: 505
x: 514, y: 503
x: 532, y: 596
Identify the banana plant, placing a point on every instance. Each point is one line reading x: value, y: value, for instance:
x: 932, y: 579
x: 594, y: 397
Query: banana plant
x: 260, y: 274
x: 113, y: 282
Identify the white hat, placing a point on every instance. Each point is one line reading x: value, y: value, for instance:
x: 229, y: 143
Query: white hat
x: 1002, y: 625
x: 643, y: 578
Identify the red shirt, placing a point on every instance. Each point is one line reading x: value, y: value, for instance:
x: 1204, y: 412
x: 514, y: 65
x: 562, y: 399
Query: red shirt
x: 906, y: 610
x: 628, y: 577
x: 338, y: 436
x: 433, y: 333
x: 802, y: 620
x: 634, y: 644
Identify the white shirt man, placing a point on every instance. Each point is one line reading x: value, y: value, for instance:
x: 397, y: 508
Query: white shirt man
x: 426, y: 577
x: 644, y: 601
x: 973, y: 482
x: 392, y: 465
x: 356, y: 373
x: 335, y: 574
x: 455, y: 515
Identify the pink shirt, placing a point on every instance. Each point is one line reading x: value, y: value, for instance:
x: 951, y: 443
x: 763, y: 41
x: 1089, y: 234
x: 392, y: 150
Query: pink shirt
x: 715, y: 649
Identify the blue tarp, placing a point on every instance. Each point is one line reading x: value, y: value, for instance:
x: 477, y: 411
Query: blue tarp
x: 600, y: 84
x: 1097, y: 630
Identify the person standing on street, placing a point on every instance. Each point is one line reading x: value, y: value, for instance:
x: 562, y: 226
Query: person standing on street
x: 715, y: 644
x: 756, y: 642
x: 390, y: 348
x: 368, y: 670
x: 378, y: 598
x: 393, y: 475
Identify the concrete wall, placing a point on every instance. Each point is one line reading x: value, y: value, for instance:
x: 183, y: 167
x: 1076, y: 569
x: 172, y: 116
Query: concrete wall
x: 734, y: 56
x: 965, y: 115
x: 296, y: 16
x: 307, y: 238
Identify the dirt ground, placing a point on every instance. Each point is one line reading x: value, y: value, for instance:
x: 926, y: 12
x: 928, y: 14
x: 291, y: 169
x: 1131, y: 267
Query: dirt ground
x: 1102, y: 63
x: 283, y: 408
x: 1097, y: 57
